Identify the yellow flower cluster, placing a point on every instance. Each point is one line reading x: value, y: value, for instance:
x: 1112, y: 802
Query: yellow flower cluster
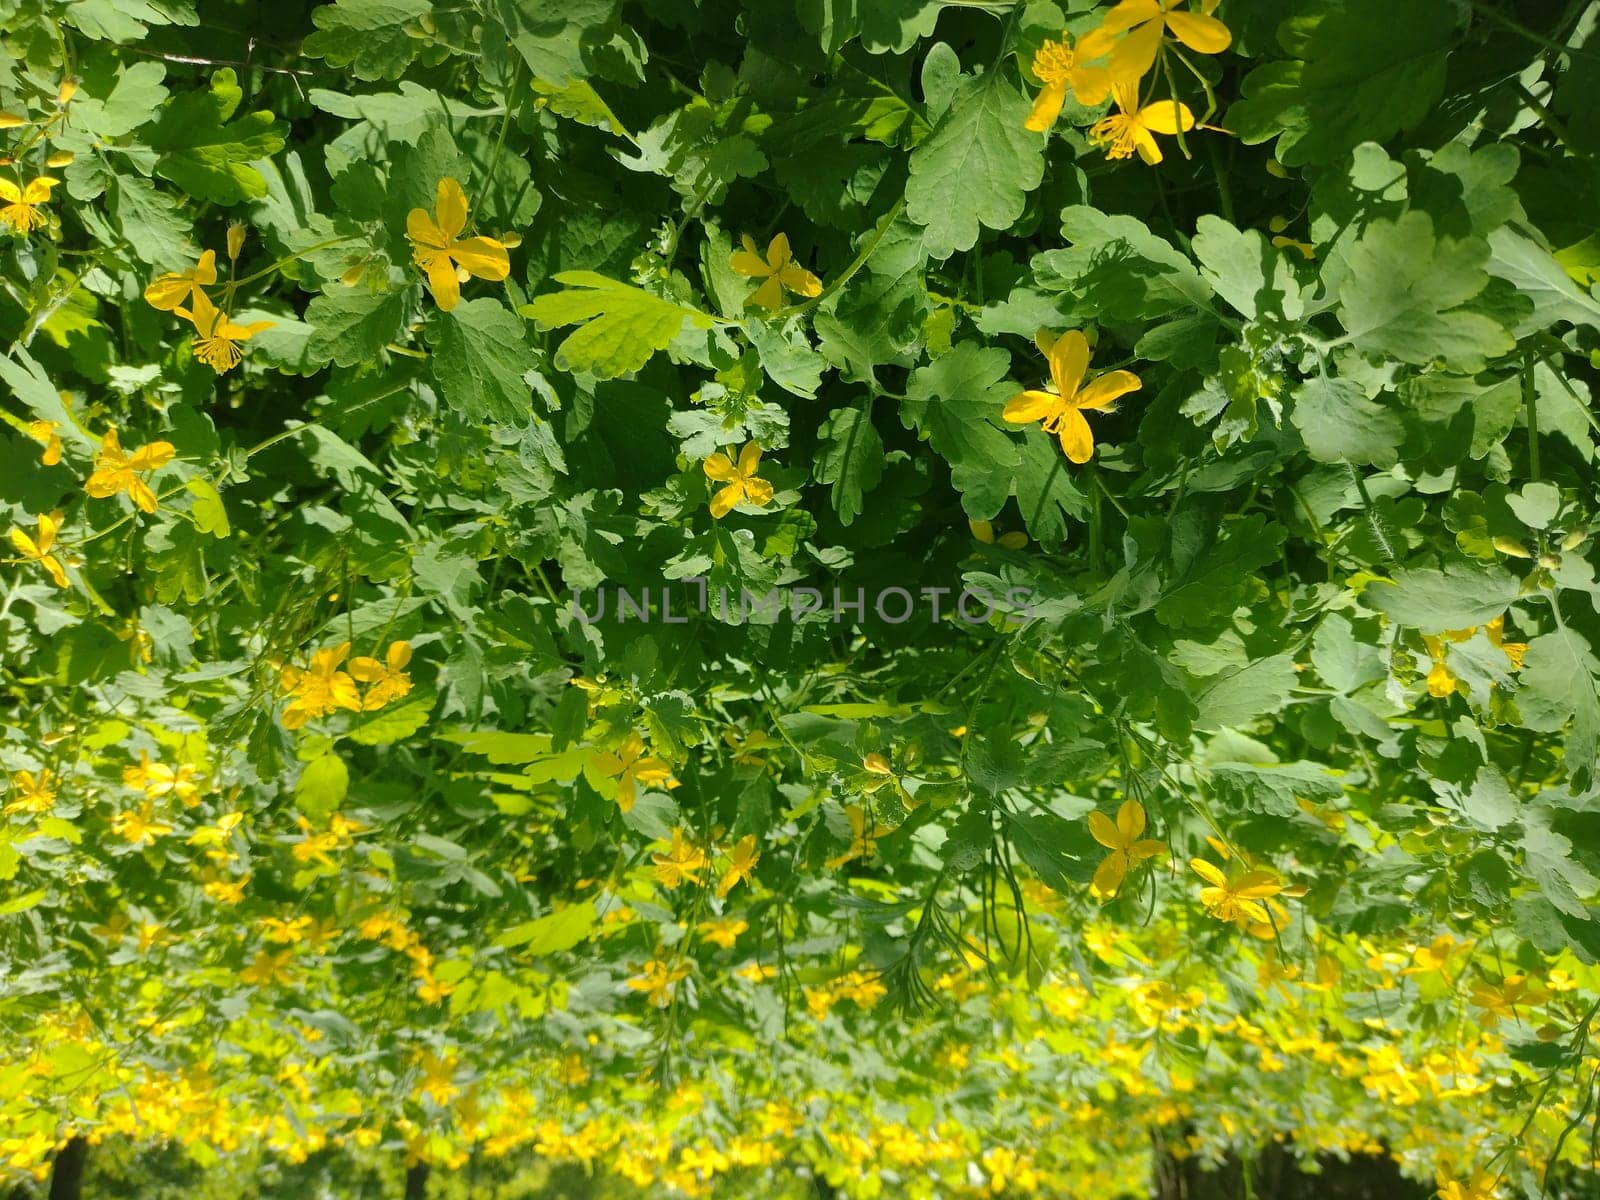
x: 324, y: 685
x: 217, y: 334
x: 1114, y: 59
x: 20, y: 203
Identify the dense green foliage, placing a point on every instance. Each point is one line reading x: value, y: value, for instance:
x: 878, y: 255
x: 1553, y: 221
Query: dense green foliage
x: 927, y: 594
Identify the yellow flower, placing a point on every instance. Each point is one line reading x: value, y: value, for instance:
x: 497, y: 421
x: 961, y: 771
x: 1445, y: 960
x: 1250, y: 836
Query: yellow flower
x: 217, y: 336
x: 863, y: 841
x: 33, y: 793
x: 1436, y: 956
x: 1132, y: 31
x: 268, y: 968
x: 218, y: 834
x: 1495, y: 630
x: 778, y: 271
x: 385, y: 680
x: 223, y: 891
x: 37, y: 549
x: 139, y: 828
x: 167, y: 292
x: 45, y: 431
x: 1131, y: 128
x: 319, y: 688
x: 631, y: 766
x: 723, y: 931
x: 1441, y: 680
x: 1481, y: 1186
x: 1059, y: 411
x: 116, y: 470
x: 1237, y: 900
x: 1502, y: 1001
x: 1124, y: 841
x: 447, y: 258
x: 658, y: 981
x: 741, y: 864
x: 21, y: 210
x: 682, y: 860
x: 743, y: 484
x: 1058, y: 67
x: 984, y: 532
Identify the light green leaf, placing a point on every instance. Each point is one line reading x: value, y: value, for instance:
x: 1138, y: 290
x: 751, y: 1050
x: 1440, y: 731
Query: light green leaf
x: 561, y: 930
x: 209, y: 513
x: 206, y: 153
x: 322, y: 786
x: 621, y: 326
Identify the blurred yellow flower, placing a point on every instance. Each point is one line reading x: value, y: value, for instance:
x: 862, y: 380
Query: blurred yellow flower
x: 658, y: 981
x: 166, y: 292
x: 36, y: 549
x: 631, y: 766
x: 116, y: 470
x: 385, y: 680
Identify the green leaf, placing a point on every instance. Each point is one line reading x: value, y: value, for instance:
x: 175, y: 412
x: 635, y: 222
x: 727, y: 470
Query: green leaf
x: 1557, y: 685
x: 950, y: 403
x: 561, y: 930
x: 977, y: 167
x: 352, y: 326
x: 322, y: 786
x: 393, y: 723
x: 621, y: 326
x: 368, y: 36
x: 1459, y: 595
x: 1520, y: 260
x: 157, y: 231
x: 207, y: 154
x: 1339, y: 424
x: 1403, y: 294
x: 1364, y: 75
x: 1273, y: 790
x: 554, y: 37
x: 209, y: 513
x: 480, y: 359
x: 134, y: 99
x: 850, y: 459
x: 1116, y: 269
x: 1060, y: 852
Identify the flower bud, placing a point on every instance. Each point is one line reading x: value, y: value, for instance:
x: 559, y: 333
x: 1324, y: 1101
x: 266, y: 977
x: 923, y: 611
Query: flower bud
x: 1509, y: 545
x: 10, y: 120
x: 235, y: 240
x: 59, y: 158
x: 67, y: 90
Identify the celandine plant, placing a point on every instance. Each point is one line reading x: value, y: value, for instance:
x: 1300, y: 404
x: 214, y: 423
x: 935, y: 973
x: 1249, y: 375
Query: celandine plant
x: 1223, y: 374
